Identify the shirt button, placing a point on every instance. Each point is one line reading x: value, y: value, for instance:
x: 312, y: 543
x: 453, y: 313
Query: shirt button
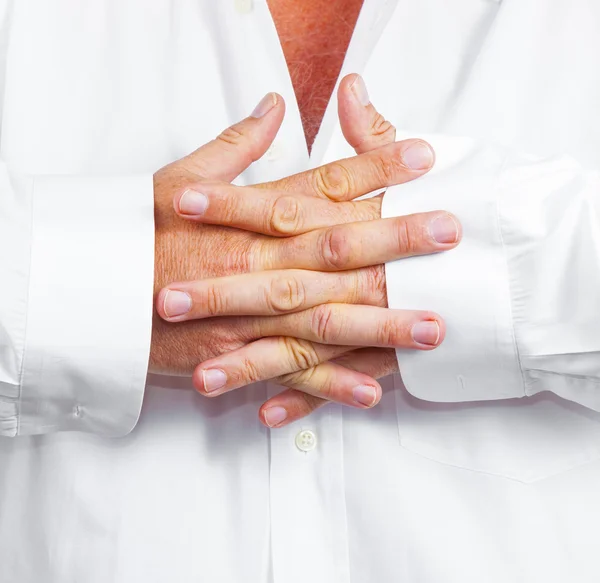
x: 243, y: 6
x: 306, y: 440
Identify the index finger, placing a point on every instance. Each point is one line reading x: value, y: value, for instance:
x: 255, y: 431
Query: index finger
x: 350, y: 178
x: 241, y: 144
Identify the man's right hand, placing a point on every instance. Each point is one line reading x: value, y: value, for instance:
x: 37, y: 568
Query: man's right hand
x: 187, y: 251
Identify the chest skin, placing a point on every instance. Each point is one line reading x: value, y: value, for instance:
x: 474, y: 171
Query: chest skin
x: 314, y: 35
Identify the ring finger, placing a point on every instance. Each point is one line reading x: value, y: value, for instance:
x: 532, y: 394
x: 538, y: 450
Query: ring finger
x: 350, y: 325
x: 269, y: 293
x: 285, y: 354
x: 328, y: 381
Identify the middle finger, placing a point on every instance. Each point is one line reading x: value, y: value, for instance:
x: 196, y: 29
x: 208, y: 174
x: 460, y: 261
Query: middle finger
x: 270, y: 212
x: 357, y: 245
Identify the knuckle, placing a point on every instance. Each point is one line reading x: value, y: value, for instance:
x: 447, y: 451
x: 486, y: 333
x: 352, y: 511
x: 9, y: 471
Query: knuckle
x: 215, y: 301
x: 409, y: 240
x: 387, y: 333
x: 390, y: 333
x: 333, y: 181
x: 381, y: 128
x: 324, y: 324
x: 301, y: 353
x: 385, y: 168
x: 285, y: 295
x: 229, y: 206
x: 334, y: 248
x: 250, y: 372
x: 374, y: 285
x: 286, y: 216
x: 232, y: 136
x: 390, y: 166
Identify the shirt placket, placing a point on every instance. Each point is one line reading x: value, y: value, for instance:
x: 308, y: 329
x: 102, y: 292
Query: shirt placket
x: 309, y: 540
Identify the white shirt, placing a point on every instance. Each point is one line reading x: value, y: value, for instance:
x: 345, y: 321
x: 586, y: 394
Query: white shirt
x: 462, y: 482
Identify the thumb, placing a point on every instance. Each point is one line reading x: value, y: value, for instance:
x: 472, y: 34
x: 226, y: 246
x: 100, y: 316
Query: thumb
x: 240, y: 145
x: 362, y: 125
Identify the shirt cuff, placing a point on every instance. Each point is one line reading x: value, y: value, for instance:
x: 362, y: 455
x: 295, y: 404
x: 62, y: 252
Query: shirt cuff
x: 89, y: 314
x: 468, y: 286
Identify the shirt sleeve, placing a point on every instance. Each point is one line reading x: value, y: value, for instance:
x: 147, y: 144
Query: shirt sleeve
x: 521, y: 293
x: 76, y: 273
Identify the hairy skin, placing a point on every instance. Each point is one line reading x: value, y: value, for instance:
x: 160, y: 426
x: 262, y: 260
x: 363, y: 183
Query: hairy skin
x: 314, y: 35
x: 183, y: 252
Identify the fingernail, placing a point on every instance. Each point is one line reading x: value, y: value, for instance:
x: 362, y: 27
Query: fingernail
x: 444, y: 229
x: 275, y: 415
x: 426, y: 333
x: 418, y: 156
x: 176, y: 303
x: 360, y: 91
x: 267, y: 103
x: 365, y: 395
x: 213, y: 379
x: 193, y: 203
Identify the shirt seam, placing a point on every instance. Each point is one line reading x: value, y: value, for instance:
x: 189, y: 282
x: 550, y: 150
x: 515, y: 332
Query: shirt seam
x: 542, y: 372
x: 19, y: 399
x: 507, y: 270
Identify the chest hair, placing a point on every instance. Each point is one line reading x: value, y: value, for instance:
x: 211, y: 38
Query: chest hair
x: 314, y: 35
